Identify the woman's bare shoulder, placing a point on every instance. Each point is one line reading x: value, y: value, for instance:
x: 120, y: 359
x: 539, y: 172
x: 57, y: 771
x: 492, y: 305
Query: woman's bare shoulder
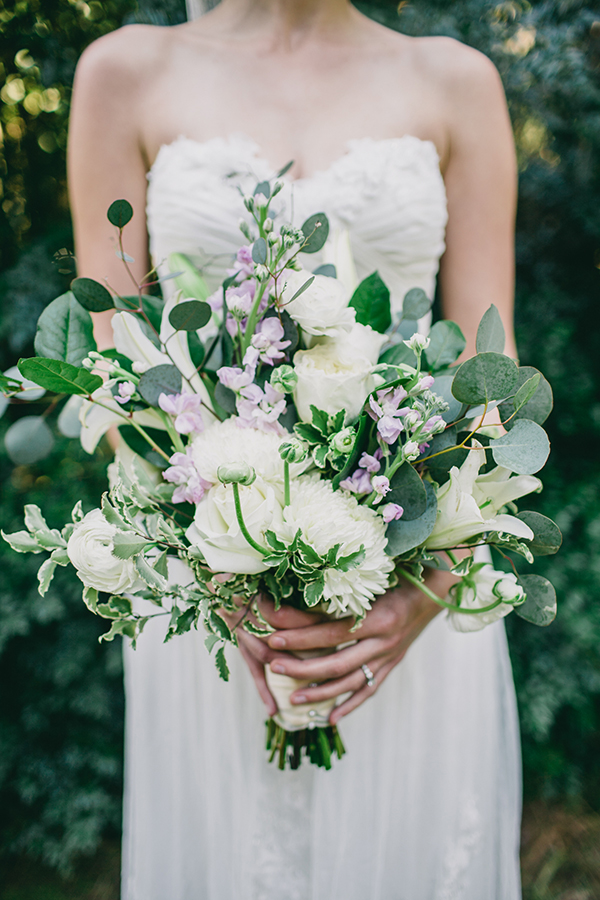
x: 458, y: 70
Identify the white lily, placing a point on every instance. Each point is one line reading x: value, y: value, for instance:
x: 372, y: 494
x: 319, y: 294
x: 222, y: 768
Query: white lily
x: 459, y: 517
x: 495, y: 489
x: 338, y: 252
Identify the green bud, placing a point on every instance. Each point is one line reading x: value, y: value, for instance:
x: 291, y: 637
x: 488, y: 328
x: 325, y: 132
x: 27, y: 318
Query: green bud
x: 293, y: 451
x: 343, y: 441
x: 284, y: 379
x: 239, y: 473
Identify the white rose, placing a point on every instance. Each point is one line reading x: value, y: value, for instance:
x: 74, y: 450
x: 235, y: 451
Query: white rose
x: 332, y: 380
x: 216, y: 531
x: 459, y: 517
x: 322, y: 309
x: 482, y: 587
x: 362, y: 340
x: 90, y: 550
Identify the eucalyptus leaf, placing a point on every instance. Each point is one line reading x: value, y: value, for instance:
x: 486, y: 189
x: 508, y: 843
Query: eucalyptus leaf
x: 326, y: 269
x: 524, y: 449
x: 190, y: 315
x: 416, y: 304
x: 92, y: 295
x: 61, y: 377
x: 404, y: 536
x: 446, y: 343
x: 190, y: 281
x: 259, y: 251
x: 316, y: 232
x: 540, y: 606
x: 526, y: 391
x: 226, y: 398
x: 285, y: 169
x: 537, y: 409
x: 119, y: 213
x: 439, y: 466
x: 302, y: 288
x: 263, y: 187
x: 28, y: 440
x: 442, y: 386
x: 68, y: 420
x: 163, y: 379
x: 547, y: 535
x: 371, y: 300
x: 408, y: 491
x: 487, y: 376
x: 490, y: 334
x: 65, y: 331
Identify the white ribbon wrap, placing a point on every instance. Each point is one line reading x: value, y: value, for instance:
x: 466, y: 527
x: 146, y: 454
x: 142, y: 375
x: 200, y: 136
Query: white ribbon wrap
x: 295, y: 717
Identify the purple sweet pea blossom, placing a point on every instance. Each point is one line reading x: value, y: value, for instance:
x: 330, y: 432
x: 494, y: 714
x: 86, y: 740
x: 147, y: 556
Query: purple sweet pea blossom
x: 239, y: 299
x: 434, y: 425
x: 243, y: 265
x: 391, y: 511
x: 371, y: 463
x: 423, y: 384
x: 423, y: 448
x: 258, y: 408
x: 387, y: 402
x: 381, y: 485
x: 182, y: 472
x: 234, y: 378
x: 358, y: 483
x: 268, y: 340
x: 126, y: 391
x: 389, y: 428
x: 185, y: 408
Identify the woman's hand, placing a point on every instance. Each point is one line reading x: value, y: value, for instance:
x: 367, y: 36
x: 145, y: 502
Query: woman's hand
x: 382, y: 640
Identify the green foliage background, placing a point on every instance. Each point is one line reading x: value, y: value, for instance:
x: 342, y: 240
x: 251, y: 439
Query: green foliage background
x: 61, y: 697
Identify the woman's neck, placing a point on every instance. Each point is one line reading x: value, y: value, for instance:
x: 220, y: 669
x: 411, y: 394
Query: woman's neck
x: 285, y: 22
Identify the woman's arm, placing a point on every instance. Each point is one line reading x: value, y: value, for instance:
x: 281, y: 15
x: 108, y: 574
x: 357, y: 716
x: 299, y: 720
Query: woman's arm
x: 477, y: 269
x: 106, y: 163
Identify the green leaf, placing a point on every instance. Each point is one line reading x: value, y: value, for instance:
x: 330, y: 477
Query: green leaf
x: 45, y: 575
x: 219, y: 625
x: 487, y: 376
x: 153, y: 307
x: 308, y: 433
x: 251, y: 628
x: 398, y: 355
x: 440, y: 465
x: 408, y: 490
x: 547, y: 536
x: 128, y: 544
x: 190, y: 315
x: 226, y: 398
x: 490, y: 334
x: 346, y: 563
x: 524, y: 449
x: 316, y: 232
x: 28, y: 440
x: 404, y: 536
x: 526, y: 391
x: 92, y: 295
x: 139, y: 444
x: 161, y: 566
x: 263, y: 187
x: 196, y: 349
x: 259, y: 251
x: 313, y: 591
x: 446, y: 343
x: 119, y: 626
x: 540, y: 606
x: 190, y: 281
x: 90, y: 598
x: 537, y: 409
x: 320, y: 420
x: 371, y: 300
x: 22, y: 542
x: 149, y: 575
x: 210, y: 640
x: 442, y: 386
x: 416, y: 304
x: 326, y: 269
x: 303, y: 288
x: 163, y: 379
x: 320, y: 453
x: 34, y: 520
x: 119, y: 213
x: 65, y: 331
x: 61, y: 377
x: 221, y: 663
x: 185, y: 620
x: 285, y: 169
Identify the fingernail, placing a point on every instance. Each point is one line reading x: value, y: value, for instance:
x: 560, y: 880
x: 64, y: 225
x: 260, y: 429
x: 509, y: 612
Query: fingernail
x: 277, y: 667
x: 277, y: 642
x: 299, y: 699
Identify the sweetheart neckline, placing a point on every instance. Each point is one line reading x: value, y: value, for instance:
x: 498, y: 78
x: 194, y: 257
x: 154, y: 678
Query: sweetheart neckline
x: 257, y: 155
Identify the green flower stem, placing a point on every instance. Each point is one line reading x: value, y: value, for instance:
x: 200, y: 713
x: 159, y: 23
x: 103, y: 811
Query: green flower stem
x: 241, y: 523
x: 462, y: 443
x: 286, y: 483
x: 171, y: 431
x: 129, y: 421
x: 432, y: 596
x: 452, y: 556
x: 253, y: 318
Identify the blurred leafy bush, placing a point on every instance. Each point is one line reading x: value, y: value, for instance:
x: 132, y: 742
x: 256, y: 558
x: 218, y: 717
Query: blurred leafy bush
x: 61, y: 703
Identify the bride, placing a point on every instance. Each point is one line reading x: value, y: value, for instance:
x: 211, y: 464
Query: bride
x: 392, y: 137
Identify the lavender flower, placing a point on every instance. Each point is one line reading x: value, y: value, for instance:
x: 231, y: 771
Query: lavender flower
x: 381, y: 486
x: 358, y: 483
x: 185, y: 408
x: 182, y: 472
x: 259, y: 408
x: 268, y: 340
x: 391, y: 511
x: 126, y: 391
x: 371, y: 463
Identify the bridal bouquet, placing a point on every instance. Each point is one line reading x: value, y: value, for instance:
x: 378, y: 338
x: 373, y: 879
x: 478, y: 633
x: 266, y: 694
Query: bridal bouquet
x: 284, y: 435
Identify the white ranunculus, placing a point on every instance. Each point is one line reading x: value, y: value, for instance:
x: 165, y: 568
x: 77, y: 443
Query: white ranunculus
x: 482, y: 587
x: 96, y: 419
x: 322, y: 309
x: 459, y: 517
x: 216, y: 531
x: 90, y: 550
x: 332, y: 378
x: 327, y: 517
x: 227, y: 444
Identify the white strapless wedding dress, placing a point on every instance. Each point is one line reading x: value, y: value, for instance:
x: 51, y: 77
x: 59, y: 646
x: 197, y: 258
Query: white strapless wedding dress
x: 426, y: 803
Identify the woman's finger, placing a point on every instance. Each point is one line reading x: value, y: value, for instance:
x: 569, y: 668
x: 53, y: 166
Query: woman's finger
x: 313, y: 637
x: 355, y: 681
x: 358, y: 698
x: 286, y: 616
x: 335, y: 665
x: 257, y: 670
